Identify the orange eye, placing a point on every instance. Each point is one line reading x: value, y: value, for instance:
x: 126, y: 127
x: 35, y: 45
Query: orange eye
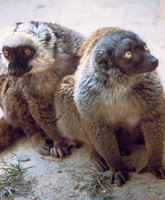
x: 27, y: 52
x: 146, y: 48
x: 5, y: 53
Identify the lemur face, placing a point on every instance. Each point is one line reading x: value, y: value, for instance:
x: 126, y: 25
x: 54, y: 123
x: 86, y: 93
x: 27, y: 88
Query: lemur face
x: 126, y: 51
x: 18, y: 59
x: 28, y: 48
x: 134, y: 57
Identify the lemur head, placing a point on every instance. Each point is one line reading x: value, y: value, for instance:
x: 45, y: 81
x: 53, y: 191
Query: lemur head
x: 125, y: 51
x: 29, y: 47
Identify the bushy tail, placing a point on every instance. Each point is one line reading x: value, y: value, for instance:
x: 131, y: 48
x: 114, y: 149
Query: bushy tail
x: 8, y: 134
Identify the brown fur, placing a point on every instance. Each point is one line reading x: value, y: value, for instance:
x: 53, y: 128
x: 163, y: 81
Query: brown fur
x: 27, y: 101
x: 8, y: 134
x: 108, y: 108
x: 91, y: 41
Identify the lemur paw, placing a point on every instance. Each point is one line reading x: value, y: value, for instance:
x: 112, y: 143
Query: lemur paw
x: 63, y: 148
x: 60, y: 151
x: 41, y: 144
x: 159, y: 172
x: 43, y: 147
x: 121, y: 176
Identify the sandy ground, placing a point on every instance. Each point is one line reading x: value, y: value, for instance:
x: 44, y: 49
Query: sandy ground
x: 56, y: 179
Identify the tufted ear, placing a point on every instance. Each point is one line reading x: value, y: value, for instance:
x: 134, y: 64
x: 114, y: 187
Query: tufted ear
x: 102, y: 58
x: 45, y: 35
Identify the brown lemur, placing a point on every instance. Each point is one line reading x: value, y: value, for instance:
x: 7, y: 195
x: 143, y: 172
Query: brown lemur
x: 115, y: 92
x: 35, y: 57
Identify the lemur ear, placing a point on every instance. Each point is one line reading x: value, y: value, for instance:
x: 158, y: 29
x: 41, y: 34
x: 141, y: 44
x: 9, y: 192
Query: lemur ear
x: 46, y: 35
x: 102, y: 58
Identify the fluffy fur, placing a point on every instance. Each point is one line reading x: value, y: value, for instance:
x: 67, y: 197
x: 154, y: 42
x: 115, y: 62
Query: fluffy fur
x: 27, y: 100
x: 112, y: 100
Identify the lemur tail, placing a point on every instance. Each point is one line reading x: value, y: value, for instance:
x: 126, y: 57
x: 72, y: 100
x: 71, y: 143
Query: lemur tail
x: 8, y: 134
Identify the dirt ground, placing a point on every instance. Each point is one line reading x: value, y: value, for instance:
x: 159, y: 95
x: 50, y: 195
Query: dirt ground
x: 56, y: 179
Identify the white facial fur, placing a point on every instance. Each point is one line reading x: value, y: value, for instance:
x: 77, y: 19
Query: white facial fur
x: 29, y: 34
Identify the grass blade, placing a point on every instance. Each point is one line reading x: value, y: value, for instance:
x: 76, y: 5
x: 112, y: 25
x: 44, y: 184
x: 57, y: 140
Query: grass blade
x: 12, y: 180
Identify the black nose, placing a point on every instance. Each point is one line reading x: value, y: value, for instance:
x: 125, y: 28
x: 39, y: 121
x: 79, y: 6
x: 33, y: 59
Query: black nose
x: 154, y: 62
x: 148, y: 64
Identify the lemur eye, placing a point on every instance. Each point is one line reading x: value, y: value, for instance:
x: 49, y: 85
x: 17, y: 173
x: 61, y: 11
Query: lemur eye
x: 5, y: 53
x: 128, y: 54
x: 27, y: 51
x: 146, y: 48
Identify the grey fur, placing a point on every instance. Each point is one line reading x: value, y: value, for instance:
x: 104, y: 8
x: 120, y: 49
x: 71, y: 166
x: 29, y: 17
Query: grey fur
x: 109, y: 93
